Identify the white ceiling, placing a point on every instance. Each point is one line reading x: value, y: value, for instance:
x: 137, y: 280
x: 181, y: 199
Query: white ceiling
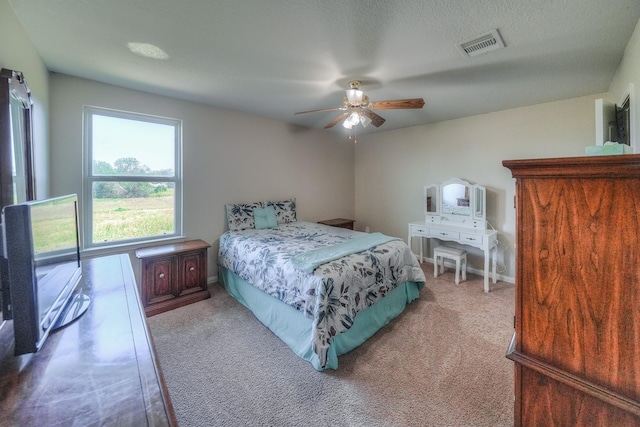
x: 272, y: 58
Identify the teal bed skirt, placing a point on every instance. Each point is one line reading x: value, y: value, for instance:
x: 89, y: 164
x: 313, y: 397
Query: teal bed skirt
x: 294, y: 329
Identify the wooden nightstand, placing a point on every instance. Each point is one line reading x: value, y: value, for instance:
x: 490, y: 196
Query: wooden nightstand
x: 173, y: 275
x: 339, y: 222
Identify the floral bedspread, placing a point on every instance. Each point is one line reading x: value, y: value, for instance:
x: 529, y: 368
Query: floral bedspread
x: 335, y: 291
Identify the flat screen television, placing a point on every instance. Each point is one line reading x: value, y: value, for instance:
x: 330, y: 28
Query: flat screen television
x: 41, y: 245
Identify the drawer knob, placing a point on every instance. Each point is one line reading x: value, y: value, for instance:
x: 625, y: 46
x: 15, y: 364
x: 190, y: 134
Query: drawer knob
x: 161, y: 275
x: 192, y: 269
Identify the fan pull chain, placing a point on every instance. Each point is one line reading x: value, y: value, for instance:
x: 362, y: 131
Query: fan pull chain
x: 355, y: 135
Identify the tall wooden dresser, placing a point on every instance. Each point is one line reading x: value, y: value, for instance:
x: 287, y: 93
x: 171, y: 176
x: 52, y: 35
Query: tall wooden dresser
x: 576, y: 346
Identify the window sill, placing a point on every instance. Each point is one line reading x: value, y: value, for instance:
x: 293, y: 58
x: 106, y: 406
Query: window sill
x: 128, y: 247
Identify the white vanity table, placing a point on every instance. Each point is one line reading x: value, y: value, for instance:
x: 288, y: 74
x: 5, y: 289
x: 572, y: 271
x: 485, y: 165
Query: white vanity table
x: 455, y: 211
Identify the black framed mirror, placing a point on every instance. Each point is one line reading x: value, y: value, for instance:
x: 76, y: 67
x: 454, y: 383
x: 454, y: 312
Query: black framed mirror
x: 17, y: 180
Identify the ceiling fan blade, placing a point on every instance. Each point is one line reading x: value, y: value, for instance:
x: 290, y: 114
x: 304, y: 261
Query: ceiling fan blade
x: 376, y: 120
x: 320, y: 110
x: 398, y: 104
x: 335, y: 121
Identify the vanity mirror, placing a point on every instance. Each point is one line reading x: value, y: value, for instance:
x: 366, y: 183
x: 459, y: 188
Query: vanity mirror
x: 456, y: 201
x: 480, y: 203
x: 431, y: 198
x: 16, y: 153
x: 456, y: 195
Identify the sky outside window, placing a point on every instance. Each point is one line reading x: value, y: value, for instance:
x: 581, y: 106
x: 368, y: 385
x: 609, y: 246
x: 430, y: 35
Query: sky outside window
x: 152, y: 144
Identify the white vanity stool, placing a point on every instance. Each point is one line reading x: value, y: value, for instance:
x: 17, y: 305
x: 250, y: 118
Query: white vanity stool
x: 458, y: 255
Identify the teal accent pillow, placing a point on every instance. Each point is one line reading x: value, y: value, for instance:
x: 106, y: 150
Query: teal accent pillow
x: 265, y: 217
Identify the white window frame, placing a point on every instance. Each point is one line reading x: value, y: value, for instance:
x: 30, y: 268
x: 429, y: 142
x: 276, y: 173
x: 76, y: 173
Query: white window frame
x: 89, y: 179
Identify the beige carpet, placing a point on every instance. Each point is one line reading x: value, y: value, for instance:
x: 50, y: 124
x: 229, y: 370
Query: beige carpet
x: 440, y: 363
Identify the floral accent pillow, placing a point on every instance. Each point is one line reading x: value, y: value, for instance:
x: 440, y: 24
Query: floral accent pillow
x: 240, y: 216
x: 285, y: 210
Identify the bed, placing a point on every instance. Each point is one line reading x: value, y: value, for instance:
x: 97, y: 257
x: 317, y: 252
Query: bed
x: 322, y: 290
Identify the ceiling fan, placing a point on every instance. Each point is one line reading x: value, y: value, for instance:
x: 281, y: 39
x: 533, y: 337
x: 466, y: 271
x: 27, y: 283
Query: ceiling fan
x: 357, y: 109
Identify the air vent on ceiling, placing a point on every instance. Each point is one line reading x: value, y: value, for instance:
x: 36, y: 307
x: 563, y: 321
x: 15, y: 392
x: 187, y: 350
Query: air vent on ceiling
x: 482, y: 44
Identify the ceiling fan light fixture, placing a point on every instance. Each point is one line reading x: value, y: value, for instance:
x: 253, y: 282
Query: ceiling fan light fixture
x: 358, y: 109
x: 354, y: 96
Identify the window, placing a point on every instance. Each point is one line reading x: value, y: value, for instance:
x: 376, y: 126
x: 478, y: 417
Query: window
x: 132, y: 172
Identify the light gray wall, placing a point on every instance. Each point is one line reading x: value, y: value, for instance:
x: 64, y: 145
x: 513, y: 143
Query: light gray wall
x: 392, y: 167
x: 228, y: 157
x: 18, y: 53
